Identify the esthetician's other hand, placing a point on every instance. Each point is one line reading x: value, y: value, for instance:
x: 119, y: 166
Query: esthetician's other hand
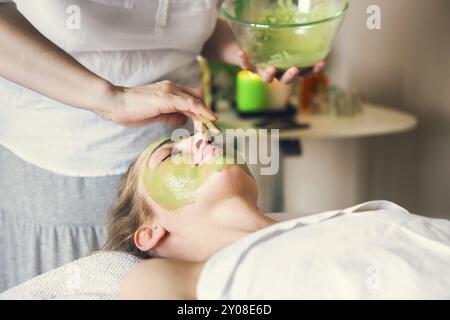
x: 222, y: 47
x: 158, y: 102
x: 270, y: 73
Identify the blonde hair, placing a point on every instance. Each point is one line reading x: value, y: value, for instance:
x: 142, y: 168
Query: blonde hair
x: 127, y: 214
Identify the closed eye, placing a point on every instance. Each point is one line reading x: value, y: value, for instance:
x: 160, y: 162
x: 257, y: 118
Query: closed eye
x: 167, y: 157
x: 170, y: 153
x: 161, y: 155
x: 174, y: 151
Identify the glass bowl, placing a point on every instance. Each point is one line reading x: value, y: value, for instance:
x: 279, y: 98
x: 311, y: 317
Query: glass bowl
x: 285, y: 33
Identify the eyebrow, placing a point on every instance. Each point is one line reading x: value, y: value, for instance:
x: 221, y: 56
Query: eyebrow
x: 163, y: 143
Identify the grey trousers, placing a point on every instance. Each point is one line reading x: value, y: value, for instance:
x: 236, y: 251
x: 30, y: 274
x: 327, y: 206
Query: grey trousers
x: 46, y: 219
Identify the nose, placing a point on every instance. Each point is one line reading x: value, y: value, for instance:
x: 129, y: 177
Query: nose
x: 193, y: 147
x: 201, y: 142
x: 198, y: 144
x: 202, y: 139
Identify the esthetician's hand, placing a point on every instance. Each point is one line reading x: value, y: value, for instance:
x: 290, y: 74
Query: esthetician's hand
x: 270, y: 73
x: 162, y: 102
x: 48, y: 70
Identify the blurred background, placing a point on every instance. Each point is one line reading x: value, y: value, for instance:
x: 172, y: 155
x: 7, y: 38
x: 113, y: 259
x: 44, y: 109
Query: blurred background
x: 404, y: 66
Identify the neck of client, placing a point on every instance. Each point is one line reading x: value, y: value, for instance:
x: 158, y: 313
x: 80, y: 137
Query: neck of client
x: 220, y: 226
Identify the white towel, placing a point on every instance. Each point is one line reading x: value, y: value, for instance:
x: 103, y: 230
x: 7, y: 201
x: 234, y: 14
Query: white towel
x: 96, y: 277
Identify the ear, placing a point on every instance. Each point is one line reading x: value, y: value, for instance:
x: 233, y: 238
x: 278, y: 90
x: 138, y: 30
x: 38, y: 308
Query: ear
x: 147, y: 238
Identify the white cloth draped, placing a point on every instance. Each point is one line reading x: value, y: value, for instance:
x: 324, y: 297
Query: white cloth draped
x: 373, y: 251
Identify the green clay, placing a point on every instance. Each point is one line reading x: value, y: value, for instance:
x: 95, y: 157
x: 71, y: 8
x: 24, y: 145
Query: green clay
x: 174, y: 183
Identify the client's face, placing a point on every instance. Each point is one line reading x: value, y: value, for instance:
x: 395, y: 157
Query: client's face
x: 178, y: 174
x: 187, y: 186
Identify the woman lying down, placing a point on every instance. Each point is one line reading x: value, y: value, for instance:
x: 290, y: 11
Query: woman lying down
x: 200, y: 220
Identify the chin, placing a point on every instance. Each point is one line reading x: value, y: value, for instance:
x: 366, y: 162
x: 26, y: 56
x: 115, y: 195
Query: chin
x: 230, y: 182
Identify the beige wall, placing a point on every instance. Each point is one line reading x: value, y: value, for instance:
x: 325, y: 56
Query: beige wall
x: 406, y: 65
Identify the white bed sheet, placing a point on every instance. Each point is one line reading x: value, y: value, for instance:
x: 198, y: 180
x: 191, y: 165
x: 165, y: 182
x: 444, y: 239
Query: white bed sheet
x: 372, y: 251
x: 376, y: 250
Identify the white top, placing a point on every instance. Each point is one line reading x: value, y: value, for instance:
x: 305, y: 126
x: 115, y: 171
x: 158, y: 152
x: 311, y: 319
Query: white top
x: 376, y: 250
x: 129, y: 43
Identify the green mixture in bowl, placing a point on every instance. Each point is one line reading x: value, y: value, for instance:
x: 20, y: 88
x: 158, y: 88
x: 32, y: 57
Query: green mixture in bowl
x: 283, y: 35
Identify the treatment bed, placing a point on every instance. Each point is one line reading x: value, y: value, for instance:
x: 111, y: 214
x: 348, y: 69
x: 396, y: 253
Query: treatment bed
x: 375, y: 250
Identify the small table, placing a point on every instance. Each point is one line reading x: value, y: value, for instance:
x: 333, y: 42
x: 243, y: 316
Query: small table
x: 375, y: 120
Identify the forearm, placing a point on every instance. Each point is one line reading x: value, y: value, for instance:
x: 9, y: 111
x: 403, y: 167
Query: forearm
x: 221, y: 46
x: 32, y: 61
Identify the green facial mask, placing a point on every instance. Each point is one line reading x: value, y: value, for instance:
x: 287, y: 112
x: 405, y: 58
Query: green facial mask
x: 175, y: 181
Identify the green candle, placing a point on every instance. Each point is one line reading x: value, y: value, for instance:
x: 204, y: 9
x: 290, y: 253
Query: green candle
x: 251, y: 92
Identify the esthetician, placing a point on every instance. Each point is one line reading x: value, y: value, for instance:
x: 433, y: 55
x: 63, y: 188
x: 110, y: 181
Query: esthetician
x: 84, y: 86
